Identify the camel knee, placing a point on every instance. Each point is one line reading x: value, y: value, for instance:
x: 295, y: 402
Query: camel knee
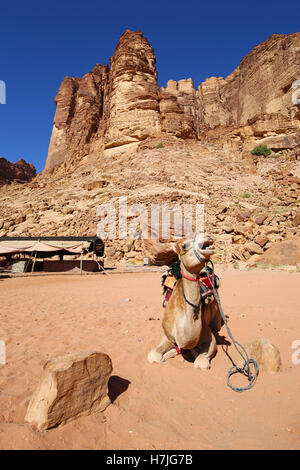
x: 154, y: 356
x: 202, y: 362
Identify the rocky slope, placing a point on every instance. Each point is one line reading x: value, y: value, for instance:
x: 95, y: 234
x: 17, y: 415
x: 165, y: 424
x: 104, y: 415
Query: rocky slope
x: 19, y: 172
x: 250, y: 203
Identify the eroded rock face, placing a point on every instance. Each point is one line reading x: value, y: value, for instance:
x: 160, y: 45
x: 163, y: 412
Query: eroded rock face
x: 134, y: 110
x: 20, y: 172
x: 119, y: 107
x: 81, y: 111
x: 71, y: 386
x: 178, y: 108
x: 260, y: 86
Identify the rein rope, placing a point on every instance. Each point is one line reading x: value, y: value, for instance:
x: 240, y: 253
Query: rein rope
x: 245, y: 369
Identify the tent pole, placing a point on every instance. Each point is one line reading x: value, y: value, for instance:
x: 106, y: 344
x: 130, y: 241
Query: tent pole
x: 33, y: 264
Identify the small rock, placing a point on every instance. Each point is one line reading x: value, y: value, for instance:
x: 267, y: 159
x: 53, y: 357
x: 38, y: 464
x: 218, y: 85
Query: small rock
x: 261, y: 240
x: 260, y: 219
x: 266, y: 355
x: 254, y: 249
x: 296, y: 220
x: 243, y: 216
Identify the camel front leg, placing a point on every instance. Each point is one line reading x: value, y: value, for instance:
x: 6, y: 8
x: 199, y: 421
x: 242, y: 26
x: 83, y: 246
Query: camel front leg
x: 207, y: 350
x: 165, y: 350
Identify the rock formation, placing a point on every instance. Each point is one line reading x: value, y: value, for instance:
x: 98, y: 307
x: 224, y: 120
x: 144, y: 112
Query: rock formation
x: 71, y: 386
x: 134, y: 109
x: 118, y: 107
x: 19, y: 172
x: 81, y: 109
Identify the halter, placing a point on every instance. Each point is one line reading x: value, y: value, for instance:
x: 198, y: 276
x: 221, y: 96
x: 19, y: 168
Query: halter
x: 195, y: 307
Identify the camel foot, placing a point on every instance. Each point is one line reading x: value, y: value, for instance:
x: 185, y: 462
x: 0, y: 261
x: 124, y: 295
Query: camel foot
x: 154, y: 356
x: 202, y: 363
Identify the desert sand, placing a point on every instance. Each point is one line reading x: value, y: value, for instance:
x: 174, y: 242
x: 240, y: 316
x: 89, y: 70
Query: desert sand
x: 155, y: 406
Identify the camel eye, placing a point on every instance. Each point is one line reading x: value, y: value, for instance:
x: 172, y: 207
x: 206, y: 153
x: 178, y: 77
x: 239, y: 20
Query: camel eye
x: 186, y: 245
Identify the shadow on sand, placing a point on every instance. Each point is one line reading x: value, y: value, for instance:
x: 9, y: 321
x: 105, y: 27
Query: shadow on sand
x: 117, y: 386
x: 221, y: 341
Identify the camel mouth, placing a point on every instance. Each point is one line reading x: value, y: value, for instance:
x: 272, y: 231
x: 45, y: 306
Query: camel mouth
x: 203, y: 243
x: 205, y: 248
x: 206, y: 252
x: 206, y: 243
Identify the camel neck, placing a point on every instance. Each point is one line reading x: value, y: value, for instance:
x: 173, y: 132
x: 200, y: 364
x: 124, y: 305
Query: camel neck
x: 191, y: 290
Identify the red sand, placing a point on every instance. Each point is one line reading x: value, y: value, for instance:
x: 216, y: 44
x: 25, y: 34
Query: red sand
x: 156, y: 406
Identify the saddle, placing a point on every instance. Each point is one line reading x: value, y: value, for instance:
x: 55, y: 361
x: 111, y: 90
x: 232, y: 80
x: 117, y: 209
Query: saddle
x: 173, y: 273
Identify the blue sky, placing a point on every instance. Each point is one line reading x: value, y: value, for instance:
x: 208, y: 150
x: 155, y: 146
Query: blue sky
x: 42, y: 42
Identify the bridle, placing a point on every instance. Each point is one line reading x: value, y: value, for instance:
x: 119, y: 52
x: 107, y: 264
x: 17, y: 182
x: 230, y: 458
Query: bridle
x: 195, y: 307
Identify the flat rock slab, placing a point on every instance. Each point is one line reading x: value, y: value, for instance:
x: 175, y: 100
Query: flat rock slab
x: 71, y: 386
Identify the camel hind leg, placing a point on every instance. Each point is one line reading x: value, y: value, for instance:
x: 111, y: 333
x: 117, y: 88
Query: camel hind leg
x: 164, y: 351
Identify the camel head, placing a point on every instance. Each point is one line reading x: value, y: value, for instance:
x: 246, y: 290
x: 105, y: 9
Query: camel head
x: 193, y: 252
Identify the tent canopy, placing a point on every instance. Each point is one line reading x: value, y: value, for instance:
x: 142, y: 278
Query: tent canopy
x: 74, y: 245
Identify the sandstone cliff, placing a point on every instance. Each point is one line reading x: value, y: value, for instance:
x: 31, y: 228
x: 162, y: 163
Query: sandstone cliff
x: 81, y: 110
x: 19, y: 172
x: 134, y: 109
x: 116, y: 108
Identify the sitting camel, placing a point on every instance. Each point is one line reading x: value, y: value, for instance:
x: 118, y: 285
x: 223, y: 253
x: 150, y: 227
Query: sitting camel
x: 185, y: 324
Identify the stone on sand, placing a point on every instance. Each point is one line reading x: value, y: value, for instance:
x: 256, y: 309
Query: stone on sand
x: 71, y: 386
x: 266, y: 355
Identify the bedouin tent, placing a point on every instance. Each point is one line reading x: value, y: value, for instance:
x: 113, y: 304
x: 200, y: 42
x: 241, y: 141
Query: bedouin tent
x: 43, y: 249
x: 20, y: 246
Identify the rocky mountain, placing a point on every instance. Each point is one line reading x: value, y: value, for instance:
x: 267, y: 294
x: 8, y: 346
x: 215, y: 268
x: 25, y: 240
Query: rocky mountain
x: 113, y: 109
x: 117, y: 134
x: 19, y: 172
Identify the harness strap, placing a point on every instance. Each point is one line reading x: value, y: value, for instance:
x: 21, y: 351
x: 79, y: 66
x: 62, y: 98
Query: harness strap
x: 195, y: 307
x: 190, y: 278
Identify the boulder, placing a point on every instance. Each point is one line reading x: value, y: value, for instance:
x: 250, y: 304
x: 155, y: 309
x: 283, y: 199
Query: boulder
x: 266, y: 355
x: 159, y: 254
x: 261, y: 240
x: 253, y: 248
x: 286, y: 252
x: 259, y: 220
x: 71, y: 386
x: 296, y: 220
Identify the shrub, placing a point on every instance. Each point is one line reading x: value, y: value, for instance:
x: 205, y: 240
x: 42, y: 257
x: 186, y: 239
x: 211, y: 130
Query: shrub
x: 160, y: 145
x: 261, y: 150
